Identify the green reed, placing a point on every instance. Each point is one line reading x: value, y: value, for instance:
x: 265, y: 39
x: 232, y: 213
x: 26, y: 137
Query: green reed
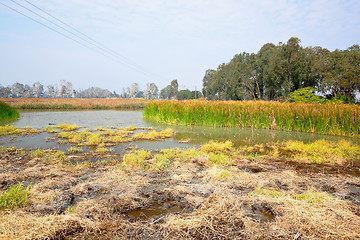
x: 7, y: 112
x: 330, y: 119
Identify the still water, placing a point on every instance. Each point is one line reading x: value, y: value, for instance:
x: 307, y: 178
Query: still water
x: 119, y: 119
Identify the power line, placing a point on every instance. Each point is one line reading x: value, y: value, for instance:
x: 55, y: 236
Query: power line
x: 106, y: 52
x: 84, y: 39
x: 86, y: 36
x: 106, y: 55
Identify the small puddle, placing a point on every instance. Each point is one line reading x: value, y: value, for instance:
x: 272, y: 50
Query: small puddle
x: 262, y: 213
x: 252, y: 169
x: 155, y: 210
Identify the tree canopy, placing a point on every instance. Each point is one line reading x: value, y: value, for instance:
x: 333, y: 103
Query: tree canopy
x: 277, y: 70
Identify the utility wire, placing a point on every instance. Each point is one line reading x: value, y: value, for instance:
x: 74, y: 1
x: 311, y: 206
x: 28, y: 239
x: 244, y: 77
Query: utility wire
x: 88, y: 37
x: 108, y: 52
x: 82, y: 38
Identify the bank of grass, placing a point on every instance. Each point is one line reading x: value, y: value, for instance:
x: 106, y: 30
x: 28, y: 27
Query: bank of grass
x: 7, y: 112
x: 75, y: 103
x: 332, y: 119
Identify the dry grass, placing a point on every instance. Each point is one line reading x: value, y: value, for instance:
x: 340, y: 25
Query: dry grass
x: 245, y: 198
x: 86, y: 103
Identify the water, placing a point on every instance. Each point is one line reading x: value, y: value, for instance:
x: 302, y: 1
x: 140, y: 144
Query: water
x: 108, y: 119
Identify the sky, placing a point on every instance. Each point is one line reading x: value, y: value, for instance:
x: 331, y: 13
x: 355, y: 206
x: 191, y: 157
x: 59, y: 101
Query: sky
x: 157, y: 41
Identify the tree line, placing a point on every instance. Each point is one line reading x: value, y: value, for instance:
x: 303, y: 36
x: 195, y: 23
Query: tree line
x: 278, y: 70
x: 65, y: 90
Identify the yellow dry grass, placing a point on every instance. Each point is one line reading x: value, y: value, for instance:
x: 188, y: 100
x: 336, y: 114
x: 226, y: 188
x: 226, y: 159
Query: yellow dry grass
x: 79, y: 102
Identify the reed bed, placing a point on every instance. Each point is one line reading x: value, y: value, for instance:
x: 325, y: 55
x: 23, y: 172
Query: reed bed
x: 331, y: 119
x: 76, y: 103
x: 7, y: 112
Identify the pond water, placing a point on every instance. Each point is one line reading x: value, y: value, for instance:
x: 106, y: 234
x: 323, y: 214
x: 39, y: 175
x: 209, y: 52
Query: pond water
x: 108, y: 119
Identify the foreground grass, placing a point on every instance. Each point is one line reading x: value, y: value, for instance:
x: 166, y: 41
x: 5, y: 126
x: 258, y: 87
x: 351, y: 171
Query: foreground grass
x: 75, y: 103
x: 330, y: 119
x: 221, y: 192
x: 14, y: 197
x: 7, y: 112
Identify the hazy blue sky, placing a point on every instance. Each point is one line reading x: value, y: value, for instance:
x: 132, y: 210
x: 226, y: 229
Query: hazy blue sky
x: 174, y: 39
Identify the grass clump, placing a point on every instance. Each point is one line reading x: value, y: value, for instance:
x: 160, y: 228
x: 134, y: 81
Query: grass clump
x: 217, y: 147
x: 15, y: 196
x: 53, y: 156
x: 153, y: 135
x: 136, y: 160
x: 8, y: 112
x: 9, y: 130
x: 313, y: 196
x: 160, y: 162
x: 74, y: 150
x: 220, y: 158
x: 323, y: 151
x: 68, y: 127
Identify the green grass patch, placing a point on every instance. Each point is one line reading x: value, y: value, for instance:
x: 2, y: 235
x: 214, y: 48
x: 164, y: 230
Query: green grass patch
x: 15, y: 196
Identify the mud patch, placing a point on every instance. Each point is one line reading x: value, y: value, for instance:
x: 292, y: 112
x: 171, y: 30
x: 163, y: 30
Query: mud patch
x: 155, y: 210
x: 260, y: 212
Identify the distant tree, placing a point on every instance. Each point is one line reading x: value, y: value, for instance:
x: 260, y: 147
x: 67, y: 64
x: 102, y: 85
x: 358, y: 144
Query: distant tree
x: 51, y: 91
x: 151, y: 91
x: 65, y: 90
x: 94, y: 92
x: 184, y: 94
x: 17, y: 90
x: 174, y: 88
x: 133, y: 90
x: 37, y: 90
x: 5, y: 92
x: 170, y: 91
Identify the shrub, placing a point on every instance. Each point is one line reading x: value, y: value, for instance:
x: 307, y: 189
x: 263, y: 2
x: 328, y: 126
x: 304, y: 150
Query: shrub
x: 305, y: 95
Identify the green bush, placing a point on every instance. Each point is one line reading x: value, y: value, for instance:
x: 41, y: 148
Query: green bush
x: 305, y: 95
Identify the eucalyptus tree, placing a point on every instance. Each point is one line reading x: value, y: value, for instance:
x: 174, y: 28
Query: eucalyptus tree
x: 343, y: 73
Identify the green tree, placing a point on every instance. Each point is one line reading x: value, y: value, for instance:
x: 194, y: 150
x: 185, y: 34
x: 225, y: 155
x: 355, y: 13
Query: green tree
x: 343, y: 73
x: 170, y: 91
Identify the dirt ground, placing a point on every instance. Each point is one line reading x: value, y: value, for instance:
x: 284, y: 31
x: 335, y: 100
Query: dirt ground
x: 191, y: 198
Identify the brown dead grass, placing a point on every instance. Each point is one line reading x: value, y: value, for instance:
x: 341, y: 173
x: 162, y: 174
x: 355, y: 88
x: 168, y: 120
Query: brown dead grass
x: 78, y: 102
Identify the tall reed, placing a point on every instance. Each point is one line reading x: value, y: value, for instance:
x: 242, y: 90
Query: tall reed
x: 7, y: 112
x: 330, y: 119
